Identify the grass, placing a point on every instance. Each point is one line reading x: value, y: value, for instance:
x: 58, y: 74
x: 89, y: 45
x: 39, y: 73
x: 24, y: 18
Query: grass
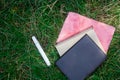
x: 21, y: 19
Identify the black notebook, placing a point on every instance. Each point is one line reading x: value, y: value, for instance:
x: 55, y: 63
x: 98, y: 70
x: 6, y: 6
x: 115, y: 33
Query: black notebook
x: 82, y: 59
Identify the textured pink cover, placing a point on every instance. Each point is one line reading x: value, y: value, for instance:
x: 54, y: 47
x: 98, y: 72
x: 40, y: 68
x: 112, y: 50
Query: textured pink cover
x: 75, y: 23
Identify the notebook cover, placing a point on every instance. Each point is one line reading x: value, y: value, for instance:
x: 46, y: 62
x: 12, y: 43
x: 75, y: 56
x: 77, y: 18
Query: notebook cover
x: 65, y: 45
x: 75, y: 23
x: 82, y: 59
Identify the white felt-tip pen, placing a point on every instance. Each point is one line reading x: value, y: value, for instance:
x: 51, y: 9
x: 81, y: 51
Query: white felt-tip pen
x: 37, y: 44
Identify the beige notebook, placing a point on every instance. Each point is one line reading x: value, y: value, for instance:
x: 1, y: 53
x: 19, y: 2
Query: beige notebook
x: 65, y: 45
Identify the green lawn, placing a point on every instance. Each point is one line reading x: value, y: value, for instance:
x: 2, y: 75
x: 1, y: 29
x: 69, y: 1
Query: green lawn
x: 21, y: 19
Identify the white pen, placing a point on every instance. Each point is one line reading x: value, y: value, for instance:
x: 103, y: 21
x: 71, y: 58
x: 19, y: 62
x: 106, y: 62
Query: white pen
x: 37, y: 44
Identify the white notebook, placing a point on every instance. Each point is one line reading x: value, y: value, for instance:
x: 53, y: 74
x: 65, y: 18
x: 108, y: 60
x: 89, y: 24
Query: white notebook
x: 65, y: 45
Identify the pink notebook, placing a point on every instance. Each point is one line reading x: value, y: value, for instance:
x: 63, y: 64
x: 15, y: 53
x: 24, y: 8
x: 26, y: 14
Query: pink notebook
x: 76, y: 23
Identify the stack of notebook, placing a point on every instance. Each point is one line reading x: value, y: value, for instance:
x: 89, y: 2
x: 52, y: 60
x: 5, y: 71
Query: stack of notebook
x: 82, y: 45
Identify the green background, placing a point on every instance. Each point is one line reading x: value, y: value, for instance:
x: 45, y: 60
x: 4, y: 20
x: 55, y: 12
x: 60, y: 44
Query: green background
x: 21, y: 19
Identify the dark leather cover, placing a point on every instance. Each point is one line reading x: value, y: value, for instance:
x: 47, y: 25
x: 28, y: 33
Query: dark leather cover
x: 82, y: 59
